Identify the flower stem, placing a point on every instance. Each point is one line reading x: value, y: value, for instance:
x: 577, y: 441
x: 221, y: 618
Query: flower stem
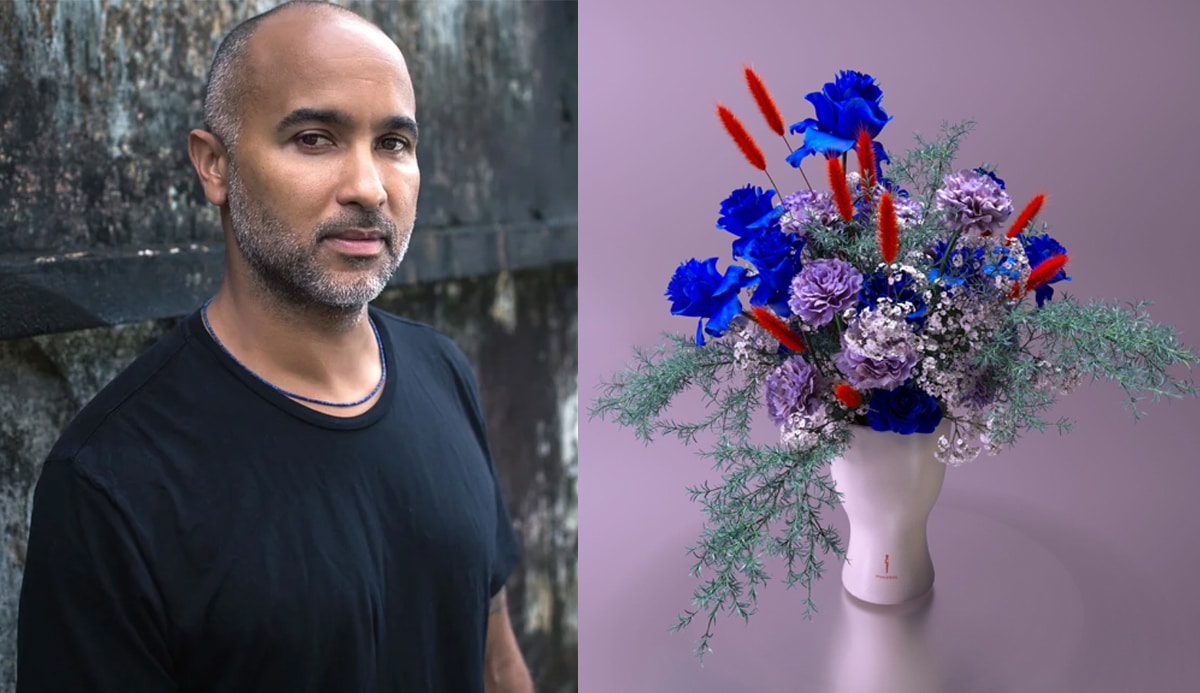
x: 801, y: 168
x: 946, y: 256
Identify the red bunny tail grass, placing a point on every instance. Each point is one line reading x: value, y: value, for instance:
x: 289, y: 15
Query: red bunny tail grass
x: 889, y: 232
x: 1045, y: 271
x: 848, y: 396
x: 841, y: 191
x: 866, y: 158
x: 766, y: 104
x: 1026, y: 216
x: 1015, y: 290
x: 779, y: 329
x: 742, y: 138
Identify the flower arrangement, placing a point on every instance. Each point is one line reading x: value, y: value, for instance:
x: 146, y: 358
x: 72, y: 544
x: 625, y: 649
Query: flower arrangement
x: 913, y: 302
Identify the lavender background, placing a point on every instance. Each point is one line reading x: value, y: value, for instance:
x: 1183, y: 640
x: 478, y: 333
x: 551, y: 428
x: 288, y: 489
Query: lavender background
x: 1068, y: 563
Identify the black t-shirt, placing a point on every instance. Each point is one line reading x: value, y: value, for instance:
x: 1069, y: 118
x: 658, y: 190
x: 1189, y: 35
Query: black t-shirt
x: 195, y: 530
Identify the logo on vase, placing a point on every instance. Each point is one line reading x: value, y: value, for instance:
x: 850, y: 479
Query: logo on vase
x: 887, y: 569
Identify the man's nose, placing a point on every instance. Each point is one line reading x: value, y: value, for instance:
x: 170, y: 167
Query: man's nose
x: 362, y: 182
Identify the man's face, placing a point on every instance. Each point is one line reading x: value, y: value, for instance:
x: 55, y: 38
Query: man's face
x: 323, y: 183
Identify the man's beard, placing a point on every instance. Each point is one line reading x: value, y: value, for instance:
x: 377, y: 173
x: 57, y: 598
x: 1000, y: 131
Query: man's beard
x: 289, y: 267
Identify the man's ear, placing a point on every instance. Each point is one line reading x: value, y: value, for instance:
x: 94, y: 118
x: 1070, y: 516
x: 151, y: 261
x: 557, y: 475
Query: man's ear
x: 211, y: 162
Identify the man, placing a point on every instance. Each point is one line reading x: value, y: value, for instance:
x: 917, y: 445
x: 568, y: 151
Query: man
x: 290, y: 491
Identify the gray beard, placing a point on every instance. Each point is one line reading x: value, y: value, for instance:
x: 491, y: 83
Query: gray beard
x: 289, y: 269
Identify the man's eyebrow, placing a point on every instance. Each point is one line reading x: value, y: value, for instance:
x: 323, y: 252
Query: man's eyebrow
x: 339, y: 118
x: 400, y: 123
x: 312, y: 115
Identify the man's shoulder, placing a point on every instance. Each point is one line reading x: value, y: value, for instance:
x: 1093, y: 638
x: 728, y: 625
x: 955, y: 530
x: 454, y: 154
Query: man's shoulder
x: 408, y: 335
x: 132, y: 389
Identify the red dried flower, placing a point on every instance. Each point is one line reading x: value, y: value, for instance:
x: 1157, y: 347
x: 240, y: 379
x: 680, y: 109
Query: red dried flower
x: 766, y: 104
x: 742, y: 138
x: 866, y: 158
x: 779, y: 329
x: 841, y: 191
x: 889, y: 232
x: 1045, y: 271
x: 848, y: 396
x: 1026, y: 216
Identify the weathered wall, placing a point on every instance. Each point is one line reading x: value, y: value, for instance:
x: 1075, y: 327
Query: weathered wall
x: 98, y: 97
x: 103, y: 226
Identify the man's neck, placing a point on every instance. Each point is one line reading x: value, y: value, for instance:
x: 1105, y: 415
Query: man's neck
x: 308, y: 350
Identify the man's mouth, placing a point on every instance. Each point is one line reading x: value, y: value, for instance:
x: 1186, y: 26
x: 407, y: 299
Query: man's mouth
x: 356, y: 241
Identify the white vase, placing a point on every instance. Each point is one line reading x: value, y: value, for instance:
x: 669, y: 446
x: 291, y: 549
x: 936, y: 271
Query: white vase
x: 889, y: 483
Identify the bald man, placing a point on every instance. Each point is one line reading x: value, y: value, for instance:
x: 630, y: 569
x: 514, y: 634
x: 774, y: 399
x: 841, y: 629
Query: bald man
x: 291, y: 491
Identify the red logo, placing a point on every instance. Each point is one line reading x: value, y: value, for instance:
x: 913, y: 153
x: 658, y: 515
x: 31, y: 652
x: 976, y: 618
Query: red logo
x: 886, y: 567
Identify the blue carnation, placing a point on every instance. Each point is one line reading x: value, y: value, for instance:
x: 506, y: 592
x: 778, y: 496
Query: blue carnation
x: 747, y: 212
x: 907, y: 409
x: 1037, y: 249
x: 776, y: 256
x: 844, y: 107
x: 897, y: 285
x: 698, y: 290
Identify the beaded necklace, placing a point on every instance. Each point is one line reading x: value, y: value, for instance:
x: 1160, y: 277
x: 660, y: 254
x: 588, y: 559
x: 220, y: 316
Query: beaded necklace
x: 293, y: 395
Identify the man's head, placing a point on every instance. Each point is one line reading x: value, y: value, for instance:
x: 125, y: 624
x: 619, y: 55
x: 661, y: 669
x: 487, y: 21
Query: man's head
x: 310, y: 150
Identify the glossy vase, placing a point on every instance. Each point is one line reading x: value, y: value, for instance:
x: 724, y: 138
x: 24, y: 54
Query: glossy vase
x: 889, y: 484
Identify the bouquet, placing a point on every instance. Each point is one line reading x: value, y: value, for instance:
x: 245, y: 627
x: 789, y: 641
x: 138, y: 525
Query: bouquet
x: 911, y: 299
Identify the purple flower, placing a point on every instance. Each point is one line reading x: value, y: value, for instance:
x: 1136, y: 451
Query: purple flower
x: 973, y: 202
x: 792, y: 388
x: 864, y: 372
x: 905, y: 410
x: 877, y: 350
x: 823, y: 288
x: 809, y: 206
x: 909, y: 212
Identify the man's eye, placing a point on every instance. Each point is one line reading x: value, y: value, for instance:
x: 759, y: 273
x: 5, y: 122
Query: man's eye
x: 311, y: 139
x: 394, y: 144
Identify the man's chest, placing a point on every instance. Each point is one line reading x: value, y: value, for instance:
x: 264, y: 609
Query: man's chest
x: 341, y: 547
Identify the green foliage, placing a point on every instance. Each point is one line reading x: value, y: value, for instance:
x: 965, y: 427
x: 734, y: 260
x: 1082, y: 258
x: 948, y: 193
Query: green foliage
x: 770, y: 498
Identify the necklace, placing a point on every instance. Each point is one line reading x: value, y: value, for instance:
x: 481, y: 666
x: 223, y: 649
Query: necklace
x: 293, y: 395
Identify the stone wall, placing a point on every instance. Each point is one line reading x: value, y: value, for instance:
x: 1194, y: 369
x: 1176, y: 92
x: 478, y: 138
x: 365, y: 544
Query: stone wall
x: 106, y: 240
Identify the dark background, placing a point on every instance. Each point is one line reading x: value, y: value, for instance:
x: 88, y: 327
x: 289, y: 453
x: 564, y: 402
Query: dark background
x: 106, y: 240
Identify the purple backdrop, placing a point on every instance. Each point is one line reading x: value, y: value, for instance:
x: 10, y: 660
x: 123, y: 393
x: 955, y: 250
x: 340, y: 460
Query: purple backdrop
x: 1067, y: 563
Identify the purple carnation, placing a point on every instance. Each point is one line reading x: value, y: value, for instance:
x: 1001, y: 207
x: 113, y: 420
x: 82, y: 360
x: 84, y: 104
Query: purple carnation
x: 909, y: 212
x: 973, y: 202
x: 792, y: 388
x: 877, y: 351
x: 864, y: 372
x: 823, y: 288
x: 809, y: 207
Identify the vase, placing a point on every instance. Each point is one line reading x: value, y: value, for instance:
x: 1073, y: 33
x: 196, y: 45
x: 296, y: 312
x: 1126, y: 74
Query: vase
x: 889, y: 483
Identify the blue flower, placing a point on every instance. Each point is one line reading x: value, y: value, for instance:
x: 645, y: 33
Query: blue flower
x: 897, y: 285
x: 1037, y: 249
x: 698, y: 290
x: 745, y: 213
x: 905, y: 410
x: 776, y: 256
x: 1003, y: 264
x: 844, y: 107
x: 962, y: 266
